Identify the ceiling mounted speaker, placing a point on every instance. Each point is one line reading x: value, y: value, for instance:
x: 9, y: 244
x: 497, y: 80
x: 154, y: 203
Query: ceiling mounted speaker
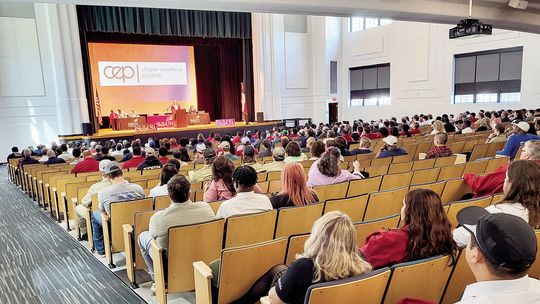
x: 519, y: 4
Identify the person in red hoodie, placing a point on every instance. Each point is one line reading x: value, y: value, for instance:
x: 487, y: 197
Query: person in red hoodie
x: 88, y: 164
x: 493, y: 182
x: 136, y: 160
x: 346, y: 134
x: 163, y: 155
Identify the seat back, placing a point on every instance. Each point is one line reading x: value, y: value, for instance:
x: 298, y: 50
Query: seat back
x: 122, y: 213
x: 436, y: 187
x: 141, y: 222
x: 459, y: 279
x: 495, y: 163
x: 424, y: 279
x: 457, y: 206
x: 494, y: 147
x: 72, y: 190
x: 295, y: 246
x: 250, y: 229
x: 457, y: 146
x: 188, y: 244
x: 369, y: 287
x: 400, y: 167
x: 363, y: 186
x: 425, y: 176
x: 273, y: 175
x: 297, y: 220
x: 377, y: 170
x: 479, y: 151
x: 454, y: 189
x: 423, y: 164
x: 445, y: 161
x: 452, y: 171
x: 381, y: 161
x: 477, y: 167
x: 161, y: 202
x: 496, y: 198
x: 334, y: 191
x: 409, y: 157
x: 364, y: 229
x: 354, y: 207
x: 242, y: 266
x: 274, y: 186
x: 393, y: 181
x: 385, y: 203
x: 534, y: 271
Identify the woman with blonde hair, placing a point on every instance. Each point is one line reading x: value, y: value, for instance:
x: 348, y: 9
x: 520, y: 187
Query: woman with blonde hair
x: 294, y: 190
x: 330, y: 253
x: 438, y: 127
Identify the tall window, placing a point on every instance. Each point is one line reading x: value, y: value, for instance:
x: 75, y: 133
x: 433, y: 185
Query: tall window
x: 489, y: 76
x: 370, y: 85
x: 361, y: 23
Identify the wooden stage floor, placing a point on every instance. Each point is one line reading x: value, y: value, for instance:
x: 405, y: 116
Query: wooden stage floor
x: 189, y: 131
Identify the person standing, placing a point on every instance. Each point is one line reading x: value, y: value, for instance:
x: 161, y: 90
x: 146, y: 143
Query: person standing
x: 244, y: 103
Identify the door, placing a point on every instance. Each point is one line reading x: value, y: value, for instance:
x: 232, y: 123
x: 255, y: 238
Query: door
x: 332, y: 112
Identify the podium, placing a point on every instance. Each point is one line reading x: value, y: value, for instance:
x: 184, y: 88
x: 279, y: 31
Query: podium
x: 179, y: 118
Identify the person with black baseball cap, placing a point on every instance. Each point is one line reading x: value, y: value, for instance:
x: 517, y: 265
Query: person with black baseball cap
x: 501, y: 250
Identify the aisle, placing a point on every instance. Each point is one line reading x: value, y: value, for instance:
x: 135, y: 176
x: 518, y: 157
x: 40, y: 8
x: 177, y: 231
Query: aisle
x: 41, y: 263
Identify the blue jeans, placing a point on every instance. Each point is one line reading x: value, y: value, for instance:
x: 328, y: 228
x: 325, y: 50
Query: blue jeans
x: 97, y: 232
x: 144, y: 243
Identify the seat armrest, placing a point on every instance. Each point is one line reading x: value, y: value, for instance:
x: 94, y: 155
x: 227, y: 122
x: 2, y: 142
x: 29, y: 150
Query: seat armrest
x: 203, y: 282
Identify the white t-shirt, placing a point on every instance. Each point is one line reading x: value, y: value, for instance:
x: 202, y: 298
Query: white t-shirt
x: 244, y: 203
x: 158, y: 191
x: 523, y: 291
x: 467, y: 130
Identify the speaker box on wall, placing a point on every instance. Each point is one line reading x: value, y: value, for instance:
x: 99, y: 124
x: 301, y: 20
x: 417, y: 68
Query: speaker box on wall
x: 260, y: 117
x: 86, y: 128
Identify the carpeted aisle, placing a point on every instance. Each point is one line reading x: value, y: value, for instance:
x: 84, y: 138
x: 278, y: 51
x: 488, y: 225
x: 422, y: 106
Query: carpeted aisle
x: 41, y: 263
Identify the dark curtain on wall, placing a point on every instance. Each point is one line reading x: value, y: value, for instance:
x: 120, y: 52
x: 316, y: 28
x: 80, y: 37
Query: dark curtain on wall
x: 221, y: 40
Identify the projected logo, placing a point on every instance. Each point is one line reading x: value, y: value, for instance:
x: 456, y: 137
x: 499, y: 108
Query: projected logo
x: 117, y: 73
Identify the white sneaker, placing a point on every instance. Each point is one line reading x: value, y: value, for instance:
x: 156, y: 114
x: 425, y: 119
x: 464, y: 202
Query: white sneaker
x: 153, y: 289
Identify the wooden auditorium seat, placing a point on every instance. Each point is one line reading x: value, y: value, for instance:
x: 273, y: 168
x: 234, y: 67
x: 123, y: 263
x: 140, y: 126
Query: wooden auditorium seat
x: 297, y: 220
x: 455, y: 207
x: 247, y: 229
x: 330, y: 192
x: 134, y: 259
x: 354, y: 207
x: 385, y: 203
x: 459, y: 279
x: 363, y: 229
x: 364, y: 186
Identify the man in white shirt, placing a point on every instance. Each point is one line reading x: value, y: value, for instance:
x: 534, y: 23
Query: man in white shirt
x: 501, y: 251
x: 246, y: 200
x: 467, y: 127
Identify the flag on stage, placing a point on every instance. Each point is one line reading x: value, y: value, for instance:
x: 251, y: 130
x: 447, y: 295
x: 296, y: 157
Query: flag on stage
x: 98, y: 109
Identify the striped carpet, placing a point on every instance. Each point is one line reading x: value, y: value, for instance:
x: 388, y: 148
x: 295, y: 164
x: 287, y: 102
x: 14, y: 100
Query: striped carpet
x: 41, y: 263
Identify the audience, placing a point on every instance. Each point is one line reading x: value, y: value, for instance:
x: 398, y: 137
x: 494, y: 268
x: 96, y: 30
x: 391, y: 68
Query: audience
x: 426, y: 232
x: 244, y: 179
x: 88, y: 164
x: 265, y: 149
x: 248, y: 158
x: 52, y: 159
x: 204, y: 173
x: 279, y: 160
x: 294, y: 190
x: 501, y: 250
x: 390, y: 148
x: 521, y: 191
x: 76, y: 156
x: 14, y: 154
x: 65, y: 155
x: 467, y: 127
x: 168, y: 171
x: 105, y: 155
x: 27, y: 159
x: 440, y: 149
x: 514, y: 141
x: 364, y: 148
x: 293, y: 153
x: 326, y: 171
x: 226, y: 147
x: 136, y: 160
x: 498, y: 134
x: 438, y: 127
x: 162, y: 152
x: 151, y: 161
x: 317, y: 150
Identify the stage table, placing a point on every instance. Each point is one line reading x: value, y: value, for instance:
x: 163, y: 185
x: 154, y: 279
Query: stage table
x: 162, y: 121
x: 198, y: 119
x: 128, y: 123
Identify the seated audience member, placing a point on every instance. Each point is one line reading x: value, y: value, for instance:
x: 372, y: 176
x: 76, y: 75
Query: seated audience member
x: 136, y: 160
x: 163, y: 155
x: 294, y: 190
x: 97, y: 153
x: 364, y: 148
x: 416, y: 128
x: 390, y: 148
x: 326, y: 171
x: 426, y: 232
x: 76, y: 156
x: 181, y: 211
x: 119, y: 191
x: 52, y: 159
x: 483, y: 125
x: 367, y: 133
x: 355, y: 139
x: 467, y: 127
x: 88, y: 164
x: 118, y: 151
x: 438, y: 127
x: 265, y: 149
x: 448, y: 126
x: 65, y: 155
x: 498, y: 134
x: 309, y: 143
x: 330, y: 253
x: 199, y: 155
x: 204, y: 173
x: 279, y: 160
x: 405, y: 130
x: 14, y: 153
x: 515, y: 140
x: 440, y: 149
x: 105, y: 155
x: 168, y: 171
x: 521, y: 196
x: 317, y: 150
x: 175, y: 162
x: 248, y: 158
x: 126, y: 155
x: 244, y: 179
x: 341, y: 144
x: 221, y: 187
x: 86, y: 202
x: 226, y: 147
x: 151, y: 161
x: 501, y: 250
x: 44, y: 156
x: 27, y: 158
x: 182, y: 156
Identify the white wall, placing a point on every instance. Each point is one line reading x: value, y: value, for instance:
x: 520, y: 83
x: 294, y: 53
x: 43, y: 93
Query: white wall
x: 41, y: 83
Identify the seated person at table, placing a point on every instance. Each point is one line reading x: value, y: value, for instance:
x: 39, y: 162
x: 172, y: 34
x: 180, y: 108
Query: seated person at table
x: 326, y: 171
x: 120, y: 190
x: 135, y: 160
x: 390, y: 148
x: 204, y: 173
x: 294, y: 190
x: 168, y: 171
x: 88, y: 164
x: 222, y: 188
x: 501, y: 250
x: 52, y: 159
x: 364, y: 148
x: 248, y: 158
x: 515, y: 140
x: 521, y: 196
x: 440, y: 149
x: 192, y: 110
x: 244, y: 179
x: 426, y: 232
x: 86, y: 202
x: 491, y: 183
x: 279, y: 160
x: 181, y: 211
x: 151, y: 161
x: 330, y: 253
x: 133, y: 113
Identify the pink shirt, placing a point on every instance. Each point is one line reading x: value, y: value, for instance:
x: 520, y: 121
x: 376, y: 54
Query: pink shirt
x: 217, y: 191
x: 316, y: 178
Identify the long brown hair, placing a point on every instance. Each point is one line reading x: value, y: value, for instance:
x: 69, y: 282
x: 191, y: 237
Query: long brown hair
x: 329, y: 162
x: 294, y: 184
x: 524, y: 178
x: 222, y: 168
x: 430, y: 231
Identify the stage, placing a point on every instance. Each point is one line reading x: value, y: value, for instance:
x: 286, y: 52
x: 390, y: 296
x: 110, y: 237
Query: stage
x: 189, y: 131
